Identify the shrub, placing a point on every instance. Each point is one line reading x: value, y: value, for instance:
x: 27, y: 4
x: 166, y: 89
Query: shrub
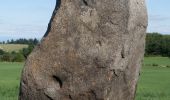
x: 27, y: 51
x: 2, y: 52
x: 6, y: 57
x: 168, y: 66
x: 18, y: 57
x: 155, y: 65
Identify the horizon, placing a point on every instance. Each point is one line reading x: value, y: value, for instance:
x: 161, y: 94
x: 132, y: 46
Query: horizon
x: 31, y: 18
x: 39, y: 39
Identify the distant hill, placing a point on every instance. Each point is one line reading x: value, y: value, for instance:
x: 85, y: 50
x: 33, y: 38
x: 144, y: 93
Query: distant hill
x: 12, y: 47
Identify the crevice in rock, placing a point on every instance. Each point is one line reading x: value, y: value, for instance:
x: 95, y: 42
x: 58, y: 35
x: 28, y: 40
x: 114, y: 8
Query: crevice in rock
x: 122, y: 53
x: 115, y: 72
x: 85, y: 2
x: 113, y: 23
x: 49, y: 97
x: 99, y: 42
x: 70, y: 97
x: 94, y: 94
x: 58, y: 81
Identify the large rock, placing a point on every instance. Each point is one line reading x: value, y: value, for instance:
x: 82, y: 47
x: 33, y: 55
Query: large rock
x: 92, y: 51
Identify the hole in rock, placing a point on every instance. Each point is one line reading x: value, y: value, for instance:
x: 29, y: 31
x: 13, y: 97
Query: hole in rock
x: 70, y: 97
x: 99, y: 42
x: 58, y: 80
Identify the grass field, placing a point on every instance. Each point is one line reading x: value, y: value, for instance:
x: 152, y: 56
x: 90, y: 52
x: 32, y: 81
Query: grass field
x: 12, y: 47
x: 154, y: 83
x: 9, y: 80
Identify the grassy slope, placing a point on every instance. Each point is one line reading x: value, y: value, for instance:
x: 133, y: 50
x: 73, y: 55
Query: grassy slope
x: 12, y: 47
x: 9, y: 80
x: 154, y: 83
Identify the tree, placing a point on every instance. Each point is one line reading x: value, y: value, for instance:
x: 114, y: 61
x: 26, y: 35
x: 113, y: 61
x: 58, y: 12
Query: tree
x: 6, y: 57
x: 2, y: 52
x: 27, y: 51
x: 157, y: 44
x: 23, y: 41
x: 18, y: 57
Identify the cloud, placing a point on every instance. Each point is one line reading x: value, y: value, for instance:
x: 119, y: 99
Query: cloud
x: 163, y: 28
x: 1, y: 20
x: 22, y: 31
x: 159, y: 23
x: 158, y: 28
x: 158, y: 18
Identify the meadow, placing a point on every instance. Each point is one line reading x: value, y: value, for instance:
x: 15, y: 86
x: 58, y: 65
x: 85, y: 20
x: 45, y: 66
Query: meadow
x: 9, y: 80
x: 12, y: 47
x: 154, y: 82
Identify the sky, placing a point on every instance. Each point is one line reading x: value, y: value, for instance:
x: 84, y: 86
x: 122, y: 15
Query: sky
x: 159, y: 16
x: 24, y: 18
x: 30, y: 18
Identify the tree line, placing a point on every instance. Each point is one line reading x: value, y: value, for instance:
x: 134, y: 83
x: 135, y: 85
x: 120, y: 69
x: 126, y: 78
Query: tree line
x: 157, y: 45
x: 21, y: 41
x: 22, y: 54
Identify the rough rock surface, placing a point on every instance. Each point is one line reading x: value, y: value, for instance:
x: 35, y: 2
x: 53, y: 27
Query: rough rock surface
x: 92, y: 50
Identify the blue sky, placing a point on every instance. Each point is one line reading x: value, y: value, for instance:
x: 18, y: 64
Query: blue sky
x: 29, y: 18
x: 159, y: 16
x: 24, y: 18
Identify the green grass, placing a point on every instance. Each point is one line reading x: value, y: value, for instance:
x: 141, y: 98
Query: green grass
x: 12, y: 47
x: 9, y: 80
x: 157, y: 60
x: 154, y: 82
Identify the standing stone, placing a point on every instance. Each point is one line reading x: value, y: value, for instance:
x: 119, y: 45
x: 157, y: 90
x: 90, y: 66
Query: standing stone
x: 92, y: 50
